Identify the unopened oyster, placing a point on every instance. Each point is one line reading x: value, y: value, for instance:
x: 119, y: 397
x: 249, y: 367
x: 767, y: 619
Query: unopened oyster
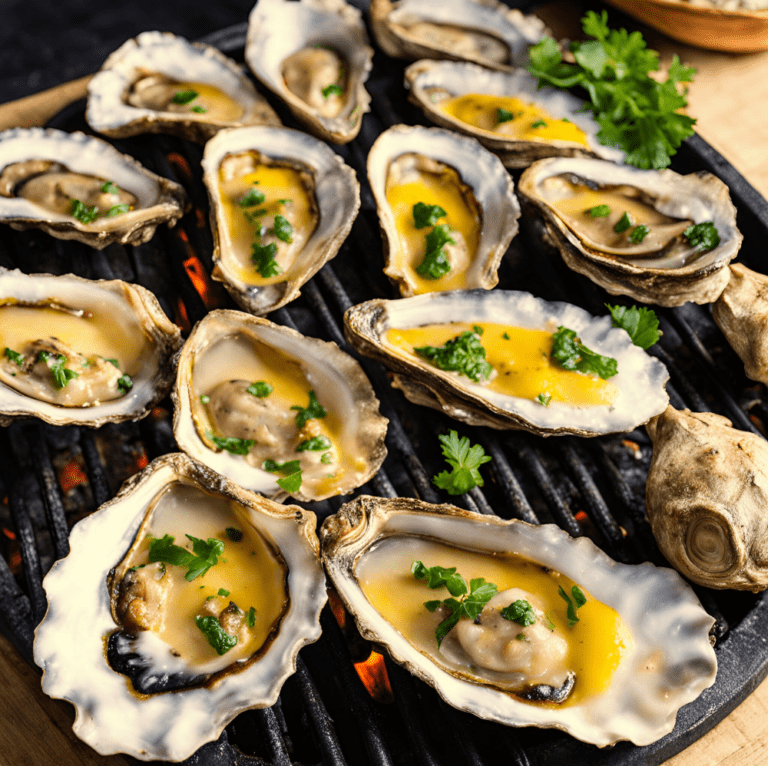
x: 81, y: 351
x: 643, y: 233
x: 282, y: 203
x: 505, y: 111
x: 706, y: 496
x: 629, y: 673
x: 314, y: 55
x: 160, y: 83
x: 74, y: 186
x: 469, y: 203
x: 275, y: 411
x: 515, y: 383
x: 218, y: 619
x: 485, y: 32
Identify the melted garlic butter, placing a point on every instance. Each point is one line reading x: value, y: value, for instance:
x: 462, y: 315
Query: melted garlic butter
x: 596, y: 644
x: 311, y: 73
x: 270, y: 421
x: 238, y: 175
x: 462, y: 216
x: 522, y: 362
x: 250, y: 570
x: 481, y: 111
x: 157, y: 92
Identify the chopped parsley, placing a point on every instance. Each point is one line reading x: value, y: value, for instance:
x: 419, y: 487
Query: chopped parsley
x: 234, y: 534
x: 599, y: 211
x: 82, y: 212
x: 703, y: 236
x: 198, y: 561
x: 639, y: 233
x: 287, y: 468
x: 539, y: 124
x: 290, y: 483
x: 572, y: 354
x: 623, y: 223
x: 217, y: 637
x: 113, y: 362
x: 333, y: 90
x: 464, y: 354
x: 313, y: 411
x: 263, y: 256
x: 230, y: 443
x: 124, y: 384
x: 435, y: 263
x: 503, y: 115
x: 118, y: 210
x: 641, y: 324
x: 427, y: 215
x: 260, y: 389
x: 578, y: 601
x: 283, y: 229
x: 250, y: 617
x: 61, y: 374
x: 520, y: 612
x: 252, y: 199
x: 204, y: 398
x: 506, y: 336
x: 316, y: 444
x: 326, y: 458
x: 185, y: 96
x: 109, y: 188
x: 14, y: 356
x: 198, y: 109
x: 544, y: 399
x: 465, y: 462
x: 223, y: 592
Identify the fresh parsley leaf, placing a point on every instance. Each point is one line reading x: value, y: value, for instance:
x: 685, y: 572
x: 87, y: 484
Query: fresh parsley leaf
x: 283, y: 229
x: 82, y: 212
x: 520, y: 612
x: 464, y: 354
x: 313, y: 411
x: 506, y: 336
x: 465, y: 462
x: 623, y: 223
x: 61, y: 374
x: 290, y: 483
x: 263, y: 256
x: 522, y: 637
x: 435, y: 263
x: 539, y: 124
x: 14, y: 356
x: 477, y: 329
x: 641, y: 323
x: 252, y: 199
x: 599, y: 211
x: 316, y: 444
x: 118, y: 210
x: 223, y: 592
x: 234, y: 534
x: 260, y: 389
x: 440, y: 577
x: 639, y: 233
x: 250, y: 617
x: 287, y: 468
x: 427, y: 215
x: 572, y: 607
x: 550, y: 624
x: 230, y: 443
x: 109, y: 188
x: 217, y: 637
x: 332, y: 90
x: 326, y: 458
x: 124, y: 384
x: 204, y: 398
x: 703, y: 236
x: 185, y: 96
x: 503, y: 115
x: 572, y: 354
x: 544, y: 399
x: 198, y: 109
x: 203, y: 556
x: 113, y: 362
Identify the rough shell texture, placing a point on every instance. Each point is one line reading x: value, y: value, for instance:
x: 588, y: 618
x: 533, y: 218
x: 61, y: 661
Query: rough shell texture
x: 279, y: 28
x: 491, y: 185
x: 159, y: 200
x: 639, y: 704
x: 516, y: 31
x: 164, y: 53
x: 460, y: 78
x: 641, y: 378
x: 69, y: 643
x: 334, y: 375
x: 697, y: 196
x: 119, y: 298
x: 706, y: 497
x: 338, y: 198
x: 741, y: 312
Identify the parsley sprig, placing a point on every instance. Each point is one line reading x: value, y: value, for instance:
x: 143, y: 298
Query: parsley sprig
x: 435, y: 264
x: 14, y: 356
x: 230, y: 443
x: 314, y: 410
x: 703, y: 236
x: 641, y: 324
x: 572, y: 354
x: 427, y: 215
x: 465, y: 462
x: 464, y: 354
x: 61, y: 374
x: 521, y: 612
x: 579, y: 599
x: 217, y: 637
x: 198, y: 561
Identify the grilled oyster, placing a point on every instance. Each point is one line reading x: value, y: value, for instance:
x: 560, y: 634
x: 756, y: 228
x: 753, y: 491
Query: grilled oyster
x: 485, y: 32
x: 160, y: 83
x: 161, y: 617
x: 520, y: 387
x: 630, y: 682
x: 625, y: 228
x: 314, y: 55
x: 74, y: 186
x: 79, y: 351
x: 276, y: 412
x: 412, y: 167
x: 258, y: 178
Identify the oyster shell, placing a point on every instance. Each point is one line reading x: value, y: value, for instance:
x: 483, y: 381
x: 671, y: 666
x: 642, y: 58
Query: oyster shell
x: 662, y: 663
x: 485, y: 32
x: 314, y: 55
x: 411, y: 164
x: 88, y: 323
x: 323, y: 199
x: 44, y: 172
x: 620, y: 404
x: 70, y: 641
x: 229, y: 352
x: 450, y: 91
x: 661, y: 268
x: 141, y: 88
x: 706, y: 496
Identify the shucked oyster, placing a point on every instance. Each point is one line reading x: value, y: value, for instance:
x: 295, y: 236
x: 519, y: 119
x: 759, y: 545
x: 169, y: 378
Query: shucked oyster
x: 218, y: 619
x: 468, y: 204
x: 643, y: 233
x: 277, y: 412
x: 314, y: 55
x: 632, y: 673
x: 514, y: 381
x: 282, y: 203
x: 74, y: 186
x: 79, y: 351
x: 160, y: 83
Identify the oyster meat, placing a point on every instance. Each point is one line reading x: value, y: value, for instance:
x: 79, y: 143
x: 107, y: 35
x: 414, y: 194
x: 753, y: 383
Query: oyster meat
x: 282, y: 203
x: 516, y: 383
x: 314, y: 55
x: 706, y: 496
x: 467, y: 197
x: 161, y: 83
x: 636, y: 232
x: 74, y: 186
x: 277, y: 412
x: 611, y: 672
x: 80, y: 351
x: 214, y: 605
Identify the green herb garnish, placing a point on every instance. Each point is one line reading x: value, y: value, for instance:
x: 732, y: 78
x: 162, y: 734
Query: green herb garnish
x: 572, y: 354
x: 623, y: 223
x: 61, y: 374
x: 118, y: 210
x: 250, y: 617
x: 198, y: 109
x: 283, y: 229
x: 113, y: 362
x: 641, y: 323
x: 435, y: 263
x: 203, y: 556
x: 599, y: 211
x: 124, y: 384
x: 578, y: 601
x: 290, y: 483
x: 14, y: 356
x: 287, y: 468
x: 703, y: 236
x: 520, y: 612
x: 235, y: 535
x: 639, y: 233
x: 252, y: 199
x: 332, y: 90
x: 263, y: 256
x: 109, y: 188
x: 230, y: 443
x: 539, y: 124
x: 503, y: 115
x: 465, y: 462
x: 204, y: 398
x: 316, y: 444
x: 427, y: 215
x: 544, y: 399
x: 185, y: 96
x: 313, y: 411
x: 223, y: 592
x: 260, y: 389
x: 82, y: 212
x: 217, y: 637
x: 464, y: 354
x: 326, y: 458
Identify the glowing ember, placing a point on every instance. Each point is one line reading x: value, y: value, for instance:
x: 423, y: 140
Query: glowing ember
x: 180, y: 162
x: 339, y: 612
x: 71, y: 476
x: 181, y: 319
x: 373, y: 674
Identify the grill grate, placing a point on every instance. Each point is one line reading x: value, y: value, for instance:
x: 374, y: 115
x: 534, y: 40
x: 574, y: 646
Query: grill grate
x: 588, y: 487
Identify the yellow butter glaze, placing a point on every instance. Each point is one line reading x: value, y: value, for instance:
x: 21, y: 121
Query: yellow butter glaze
x: 596, y: 643
x: 522, y: 362
x: 217, y: 104
x: 480, y: 110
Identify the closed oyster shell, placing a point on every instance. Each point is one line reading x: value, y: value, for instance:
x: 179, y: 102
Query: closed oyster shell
x: 110, y: 112
x: 670, y: 661
x: 706, y: 496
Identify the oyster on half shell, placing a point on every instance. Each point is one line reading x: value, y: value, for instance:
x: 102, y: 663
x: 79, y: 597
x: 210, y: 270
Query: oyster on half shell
x: 638, y: 671
x: 156, y: 611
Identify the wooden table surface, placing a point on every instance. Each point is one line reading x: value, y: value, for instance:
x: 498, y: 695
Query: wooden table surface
x: 729, y: 97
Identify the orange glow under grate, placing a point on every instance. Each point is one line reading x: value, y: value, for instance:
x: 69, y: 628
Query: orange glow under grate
x: 373, y: 674
x: 71, y: 476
